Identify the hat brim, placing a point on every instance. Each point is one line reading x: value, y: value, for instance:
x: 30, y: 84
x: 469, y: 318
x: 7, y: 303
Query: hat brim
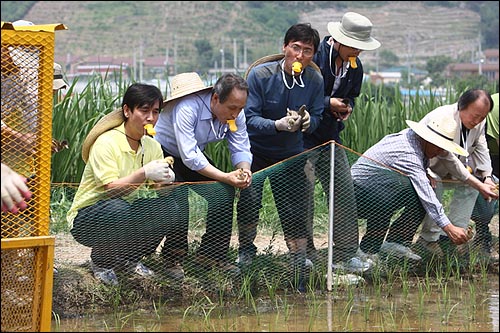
x: 58, y: 84
x: 274, y: 57
x: 425, y: 133
x: 184, y: 94
x: 365, y: 45
x: 109, y: 121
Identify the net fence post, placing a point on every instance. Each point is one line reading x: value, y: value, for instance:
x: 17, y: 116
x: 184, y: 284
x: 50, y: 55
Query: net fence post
x: 331, y: 218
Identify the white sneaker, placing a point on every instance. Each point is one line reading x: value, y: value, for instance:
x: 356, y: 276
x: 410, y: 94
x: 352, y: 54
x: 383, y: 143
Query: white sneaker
x: 105, y: 275
x: 353, y: 265
x: 142, y: 270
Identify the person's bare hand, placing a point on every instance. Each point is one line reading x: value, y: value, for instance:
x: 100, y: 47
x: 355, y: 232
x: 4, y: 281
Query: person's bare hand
x: 456, y: 234
x: 340, y: 108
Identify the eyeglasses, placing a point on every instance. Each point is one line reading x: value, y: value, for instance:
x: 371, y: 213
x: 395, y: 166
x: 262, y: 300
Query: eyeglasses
x: 307, y: 52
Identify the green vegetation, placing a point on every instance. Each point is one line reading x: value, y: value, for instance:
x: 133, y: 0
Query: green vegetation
x: 379, y: 110
x: 15, y: 10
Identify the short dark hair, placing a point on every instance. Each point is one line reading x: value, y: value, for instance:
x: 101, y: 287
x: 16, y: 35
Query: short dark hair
x: 141, y: 94
x: 472, y: 95
x: 302, y: 32
x: 226, y: 83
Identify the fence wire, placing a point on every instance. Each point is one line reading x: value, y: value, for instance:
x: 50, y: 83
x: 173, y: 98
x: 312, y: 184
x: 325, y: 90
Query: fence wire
x: 304, y: 197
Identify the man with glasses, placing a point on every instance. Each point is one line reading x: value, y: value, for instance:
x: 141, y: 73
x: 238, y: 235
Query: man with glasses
x: 278, y: 86
x: 342, y: 71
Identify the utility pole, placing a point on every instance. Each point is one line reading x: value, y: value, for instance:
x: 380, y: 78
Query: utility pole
x: 480, y: 56
x: 175, y: 55
x: 235, y: 54
x: 409, y: 42
x: 222, y: 60
x: 245, y: 63
x: 141, y: 63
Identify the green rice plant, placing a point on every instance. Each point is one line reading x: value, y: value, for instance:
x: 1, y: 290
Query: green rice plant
x: 403, y: 275
x: 367, y: 308
x: 421, y: 299
x: 60, y: 202
x: 471, y: 305
x: 272, y: 286
x: 246, y: 289
x: 72, y: 119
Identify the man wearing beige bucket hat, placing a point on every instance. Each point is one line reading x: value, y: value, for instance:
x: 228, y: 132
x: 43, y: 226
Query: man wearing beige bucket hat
x: 342, y: 70
x: 196, y: 115
x: 391, y: 175
x: 117, y: 210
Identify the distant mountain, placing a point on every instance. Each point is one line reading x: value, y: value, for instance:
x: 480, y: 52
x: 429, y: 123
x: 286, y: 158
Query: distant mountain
x: 411, y: 30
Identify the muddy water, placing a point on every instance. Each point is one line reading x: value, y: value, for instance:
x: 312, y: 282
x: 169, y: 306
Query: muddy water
x: 451, y: 307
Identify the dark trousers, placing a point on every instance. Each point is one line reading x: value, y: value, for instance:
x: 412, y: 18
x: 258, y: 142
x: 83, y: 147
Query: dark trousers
x: 393, y: 198
x: 219, y: 223
x: 287, y: 181
x: 119, y: 232
x: 345, y: 220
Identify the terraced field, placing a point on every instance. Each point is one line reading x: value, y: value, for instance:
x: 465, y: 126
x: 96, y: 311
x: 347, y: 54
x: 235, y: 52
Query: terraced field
x: 125, y: 28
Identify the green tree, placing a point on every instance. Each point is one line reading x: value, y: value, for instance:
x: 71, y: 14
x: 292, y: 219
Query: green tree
x: 205, y: 55
x: 436, y: 66
x: 387, y: 59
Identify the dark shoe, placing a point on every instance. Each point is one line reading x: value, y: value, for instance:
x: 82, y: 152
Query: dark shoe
x: 175, y: 272
x: 207, y: 264
x: 431, y: 248
x: 245, y: 259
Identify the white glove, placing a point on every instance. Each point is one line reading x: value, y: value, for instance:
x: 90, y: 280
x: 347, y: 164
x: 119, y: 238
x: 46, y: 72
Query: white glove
x: 306, y: 121
x: 289, y: 123
x: 159, y: 171
x: 14, y: 190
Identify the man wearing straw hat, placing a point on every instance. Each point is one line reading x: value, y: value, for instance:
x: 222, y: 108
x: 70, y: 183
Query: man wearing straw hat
x: 285, y: 102
x: 381, y: 190
x: 114, y: 211
x: 196, y: 115
x: 342, y: 71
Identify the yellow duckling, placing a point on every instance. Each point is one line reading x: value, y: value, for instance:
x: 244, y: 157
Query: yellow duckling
x: 297, y: 67
x: 232, y: 125
x: 169, y: 160
x: 352, y: 61
x: 150, y: 129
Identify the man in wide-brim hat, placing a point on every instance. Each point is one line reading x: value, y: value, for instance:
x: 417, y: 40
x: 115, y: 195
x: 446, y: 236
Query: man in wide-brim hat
x: 392, y: 174
x: 342, y: 71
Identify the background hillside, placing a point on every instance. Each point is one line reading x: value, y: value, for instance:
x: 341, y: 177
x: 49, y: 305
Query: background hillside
x: 195, y: 32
